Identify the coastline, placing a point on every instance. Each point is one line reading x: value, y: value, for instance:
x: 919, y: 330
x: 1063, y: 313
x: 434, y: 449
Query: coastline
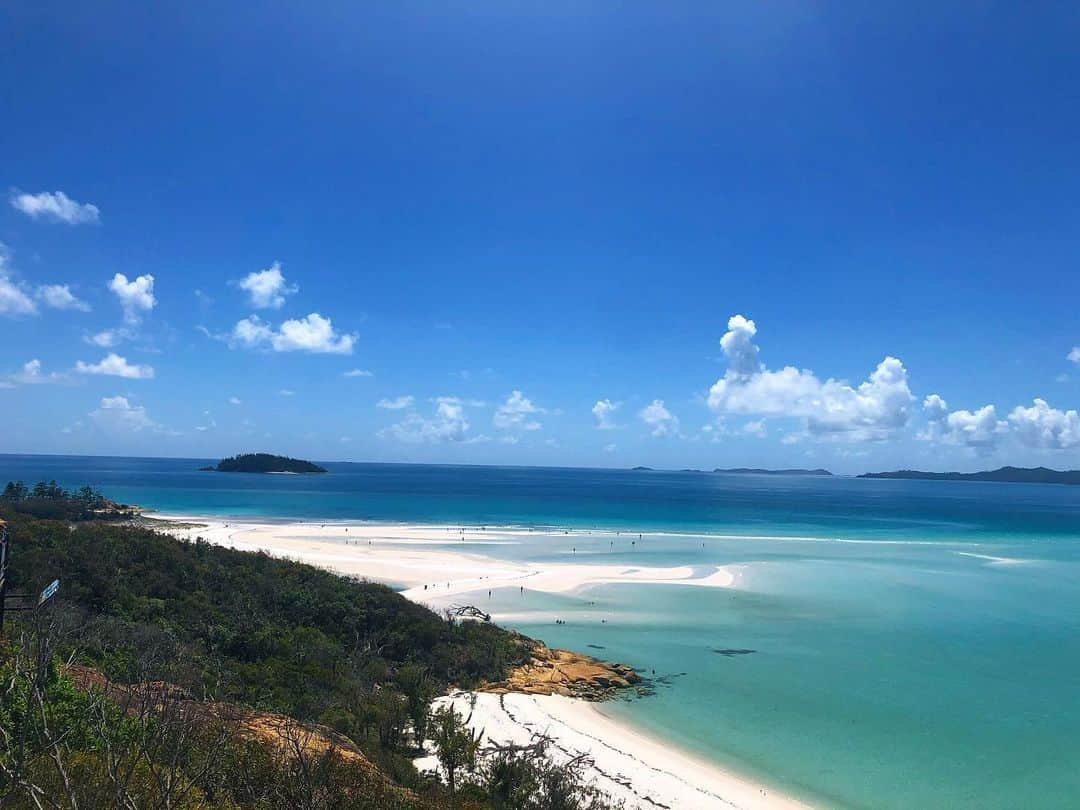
x: 642, y: 770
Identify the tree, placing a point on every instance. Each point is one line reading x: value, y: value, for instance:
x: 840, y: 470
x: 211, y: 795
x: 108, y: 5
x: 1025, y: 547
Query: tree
x: 419, y: 690
x: 455, y: 743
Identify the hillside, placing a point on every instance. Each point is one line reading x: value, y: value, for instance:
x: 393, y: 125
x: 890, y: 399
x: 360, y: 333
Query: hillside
x: 252, y: 681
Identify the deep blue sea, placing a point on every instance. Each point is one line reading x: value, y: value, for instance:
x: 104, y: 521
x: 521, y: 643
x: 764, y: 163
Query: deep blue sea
x: 914, y: 644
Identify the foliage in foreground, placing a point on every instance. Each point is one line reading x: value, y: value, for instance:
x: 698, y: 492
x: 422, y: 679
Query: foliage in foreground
x: 214, y: 624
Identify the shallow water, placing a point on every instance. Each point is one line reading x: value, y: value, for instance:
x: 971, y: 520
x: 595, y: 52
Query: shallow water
x: 914, y: 644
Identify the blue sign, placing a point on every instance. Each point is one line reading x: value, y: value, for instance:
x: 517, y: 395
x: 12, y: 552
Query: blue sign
x: 50, y: 590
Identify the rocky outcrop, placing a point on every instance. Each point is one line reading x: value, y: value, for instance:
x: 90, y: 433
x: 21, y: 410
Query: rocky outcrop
x: 561, y: 672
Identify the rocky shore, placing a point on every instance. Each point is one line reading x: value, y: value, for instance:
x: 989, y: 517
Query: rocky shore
x: 566, y: 673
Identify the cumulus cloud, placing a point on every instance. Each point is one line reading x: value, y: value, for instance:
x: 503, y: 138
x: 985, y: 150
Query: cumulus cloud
x: 314, y: 334
x: 113, y: 365
x: 517, y: 413
x: 1074, y: 355
x: 660, y: 420
x: 395, y: 404
x: 14, y: 298
x: 135, y: 296
x: 1043, y: 427
x: 755, y: 427
x: 31, y: 374
x: 235, y: 401
x: 118, y: 414
x: 59, y: 296
x: 357, y: 372
x: 267, y: 289
x: 871, y: 410
x: 54, y: 206
x: 447, y: 424
x: 979, y: 430
x: 604, y: 411
x: 107, y: 338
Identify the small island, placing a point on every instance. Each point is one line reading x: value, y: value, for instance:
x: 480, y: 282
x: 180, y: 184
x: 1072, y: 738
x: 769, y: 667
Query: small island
x: 1015, y: 475
x: 756, y: 471
x: 265, y: 463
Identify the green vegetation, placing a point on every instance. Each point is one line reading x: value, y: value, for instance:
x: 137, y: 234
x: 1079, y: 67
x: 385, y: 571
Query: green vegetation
x: 49, y: 500
x: 191, y: 626
x: 265, y: 463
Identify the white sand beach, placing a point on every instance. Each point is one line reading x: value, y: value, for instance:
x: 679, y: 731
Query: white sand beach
x: 629, y: 765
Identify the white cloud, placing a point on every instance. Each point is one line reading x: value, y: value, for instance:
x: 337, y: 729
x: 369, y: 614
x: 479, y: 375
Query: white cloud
x: 267, y: 289
x: 448, y: 424
x: 936, y: 408
x: 314, y: 334
x: 1044, y: 427
x: 604, y: 411
x: 738, y: 346
x: 610, y: 448
x: 107, y: 338
x: 871, y: 410
x: 235, y: 401
x: 114, y: 365
x: 755, y: 428
x: 1074, y: 355
x: 357, y: 372
x: 517, y: 413
x: 136, y: 296
x: 59, y: 296
x: 661, y: 421
x: 118, y: 414
x: 395, y: 404
x: 31, y: 374
x: 14, y: 299
x: 286, y: 392
x: 980, y: 429
x: 209, y: 424
x: 55, y: 206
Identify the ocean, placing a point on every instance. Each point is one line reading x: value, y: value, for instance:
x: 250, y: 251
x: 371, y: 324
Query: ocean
x: 890, y: 644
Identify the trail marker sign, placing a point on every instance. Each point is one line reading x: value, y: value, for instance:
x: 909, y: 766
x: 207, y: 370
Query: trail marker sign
x: 50, y: 591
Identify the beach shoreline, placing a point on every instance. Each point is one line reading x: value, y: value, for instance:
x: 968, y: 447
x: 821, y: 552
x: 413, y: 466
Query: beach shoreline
x: 421, y: 562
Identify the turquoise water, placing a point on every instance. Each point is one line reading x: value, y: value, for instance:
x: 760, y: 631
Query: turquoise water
x: 890, y: 667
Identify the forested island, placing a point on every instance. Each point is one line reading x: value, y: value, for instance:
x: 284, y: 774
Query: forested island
x: 183, y: 674
x: 1019, y: 475
x: 265, y: 463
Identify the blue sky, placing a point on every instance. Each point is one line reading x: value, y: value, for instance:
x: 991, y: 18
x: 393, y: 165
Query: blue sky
x: 498, y: 215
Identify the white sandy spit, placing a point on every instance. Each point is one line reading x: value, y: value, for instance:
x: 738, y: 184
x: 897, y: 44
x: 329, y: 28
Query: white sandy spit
x: 623, y: 762
x: 627, y: 765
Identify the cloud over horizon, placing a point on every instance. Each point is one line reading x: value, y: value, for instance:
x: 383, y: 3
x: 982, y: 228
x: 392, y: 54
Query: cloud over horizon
x: 829, y: 408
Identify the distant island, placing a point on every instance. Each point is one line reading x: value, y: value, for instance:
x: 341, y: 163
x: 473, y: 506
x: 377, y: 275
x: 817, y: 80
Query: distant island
x: 642, y: 469
x: 755, y: 471
x: 264, y: 463
x: 1020, y: 475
